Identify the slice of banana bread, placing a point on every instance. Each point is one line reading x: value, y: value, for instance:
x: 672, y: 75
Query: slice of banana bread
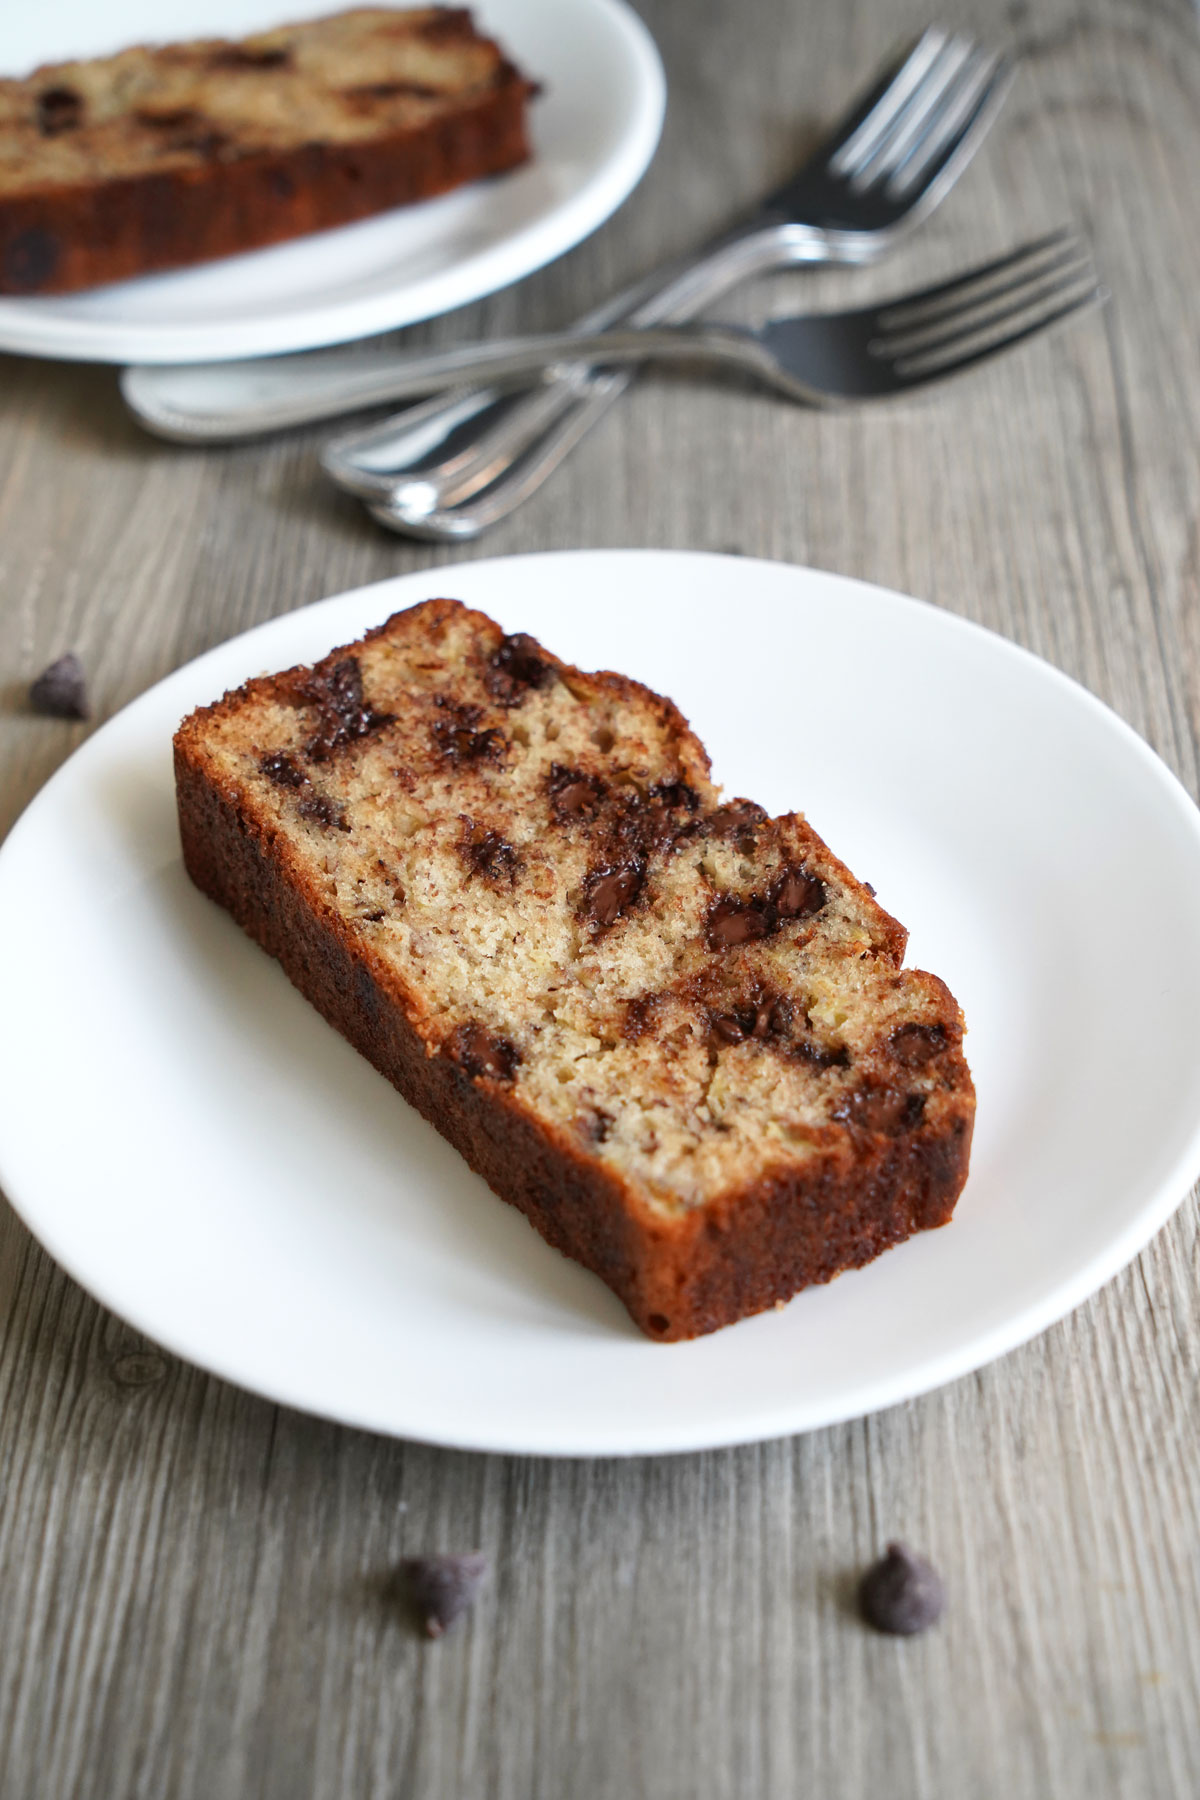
x: 159, y: 157
x: 675, y: 1032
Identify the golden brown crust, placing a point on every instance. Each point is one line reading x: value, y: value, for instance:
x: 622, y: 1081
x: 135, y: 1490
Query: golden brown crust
x: 206, y: 194
x: 875, y: 1172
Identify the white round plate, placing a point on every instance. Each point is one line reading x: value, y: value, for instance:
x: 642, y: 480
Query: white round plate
x: 196, y: 1146
x: 594, y: 128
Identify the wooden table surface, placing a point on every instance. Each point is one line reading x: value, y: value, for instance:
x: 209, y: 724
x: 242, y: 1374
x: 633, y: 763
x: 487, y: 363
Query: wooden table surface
x: 194, y: 1583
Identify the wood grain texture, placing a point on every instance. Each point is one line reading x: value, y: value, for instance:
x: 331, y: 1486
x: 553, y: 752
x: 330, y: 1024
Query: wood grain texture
x: 195, y: 1584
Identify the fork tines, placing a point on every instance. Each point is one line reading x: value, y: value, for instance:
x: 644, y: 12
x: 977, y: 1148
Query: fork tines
x: 931, y: 105
x: 960, y: 322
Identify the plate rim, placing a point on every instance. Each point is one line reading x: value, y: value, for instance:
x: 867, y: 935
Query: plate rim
x: 27, y: 331
x: 871, y: 1396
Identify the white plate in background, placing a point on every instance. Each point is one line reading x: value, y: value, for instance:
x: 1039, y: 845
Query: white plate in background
x: 594, y: 129
x: 199, y: 1149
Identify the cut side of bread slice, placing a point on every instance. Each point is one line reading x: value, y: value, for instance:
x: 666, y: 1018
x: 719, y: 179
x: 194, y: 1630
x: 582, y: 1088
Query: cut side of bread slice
x: 166, y: 155
x: 675, y: 1032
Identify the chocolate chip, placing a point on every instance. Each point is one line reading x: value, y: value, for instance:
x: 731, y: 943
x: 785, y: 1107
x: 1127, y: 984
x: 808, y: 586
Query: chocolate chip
x: 58, y: 109
x: 515, y: 665
x: 488, y: 854
x: 61, y: 690
x: 343, y: 713
x: 244, y: 56
x: 281, y: 769
x: 321, y: 810
x: 578, y: 797
x: 609, y: 891
x: 902, y: 1593
x: 737, y: 819
x: 807, y: 1050
x: 675, y: 796
x: 781, y: 1017
x: 439, y: 27
x: 206, y: 142
x: 733, y: 922
x: 174, y: 118
x: 639, y: 1016
x: 457, y: 738
x: 479, y: 1052
x: 915, y: 1045
x: 736, y: 815
x: 595, y: 1125
x: 574, y: 795
x: 366, y: 92
x: 459, y: 744
x: 884, y: 1110
x: 441, y: 1588
x: 763, y: 1017
x: 31, y: 259
x: 796, y: 894
x: 761, y: 1027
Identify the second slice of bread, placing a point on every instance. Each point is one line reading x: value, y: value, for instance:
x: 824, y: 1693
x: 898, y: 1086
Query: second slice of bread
x: 166, y: 155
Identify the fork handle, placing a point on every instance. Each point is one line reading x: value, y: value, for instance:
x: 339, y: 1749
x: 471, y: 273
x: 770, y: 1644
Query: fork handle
x: 381, y: 464
x: 513, y: 359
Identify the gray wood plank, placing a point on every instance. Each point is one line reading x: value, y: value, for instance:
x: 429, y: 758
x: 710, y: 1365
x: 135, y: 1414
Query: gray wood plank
x: 196, y: 1584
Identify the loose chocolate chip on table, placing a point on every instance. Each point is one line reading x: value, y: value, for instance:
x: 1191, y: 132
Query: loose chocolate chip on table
x: 902, y: 1593
x: 441, y: 1588
x: 61, y: 690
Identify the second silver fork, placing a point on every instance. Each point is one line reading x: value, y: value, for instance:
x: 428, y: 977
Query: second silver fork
x: 884, y: 167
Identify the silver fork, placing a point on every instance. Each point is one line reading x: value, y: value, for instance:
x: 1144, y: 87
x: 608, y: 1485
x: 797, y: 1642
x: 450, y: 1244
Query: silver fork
x: 885, y: 166
x: 830, y: 359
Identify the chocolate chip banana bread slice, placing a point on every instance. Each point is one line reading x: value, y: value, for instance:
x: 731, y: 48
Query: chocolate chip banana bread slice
x: 673, y: 1031
x: 159, y: 157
